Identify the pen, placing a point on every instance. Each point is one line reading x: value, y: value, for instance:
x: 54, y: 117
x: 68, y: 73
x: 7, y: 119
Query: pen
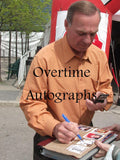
x: 67, y: 120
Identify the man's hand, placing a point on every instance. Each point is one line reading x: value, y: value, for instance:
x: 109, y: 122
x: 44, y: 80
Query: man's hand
x: 103, y: 149
x: 65, y: 132
x: 98, y: 106
x: 116, y: 129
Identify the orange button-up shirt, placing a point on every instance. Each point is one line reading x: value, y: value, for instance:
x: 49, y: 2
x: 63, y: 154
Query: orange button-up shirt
x: 59, y: 82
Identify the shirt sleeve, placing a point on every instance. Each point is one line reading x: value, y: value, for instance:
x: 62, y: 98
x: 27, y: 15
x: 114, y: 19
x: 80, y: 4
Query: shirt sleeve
x: 116, y: 153
x: 32, y: 102
x: 113, y: 153
x: 109, y: 153
x: 105, y: 79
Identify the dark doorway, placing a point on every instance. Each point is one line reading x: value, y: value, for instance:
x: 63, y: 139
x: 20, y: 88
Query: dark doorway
x: 114, y: 56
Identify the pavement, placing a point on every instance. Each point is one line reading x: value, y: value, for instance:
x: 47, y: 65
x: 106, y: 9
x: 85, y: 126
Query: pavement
x: 16, y: 138
x: 9, y: 93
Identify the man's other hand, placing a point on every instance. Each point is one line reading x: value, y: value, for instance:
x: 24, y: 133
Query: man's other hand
x: 95, y: 106
x: 103, y: 149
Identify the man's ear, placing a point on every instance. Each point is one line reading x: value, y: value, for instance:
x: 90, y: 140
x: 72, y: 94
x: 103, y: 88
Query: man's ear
x: 66, y: 24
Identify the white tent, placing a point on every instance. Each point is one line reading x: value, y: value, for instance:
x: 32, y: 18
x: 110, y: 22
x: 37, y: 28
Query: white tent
x: 116, y: 16
x: 35, y: 39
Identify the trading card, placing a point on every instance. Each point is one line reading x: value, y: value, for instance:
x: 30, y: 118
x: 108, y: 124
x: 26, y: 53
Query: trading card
x: 100, y: 130
x: 84, y: 128
x: 86, y: 142
x: 93, y: 136
x: 76, y: 148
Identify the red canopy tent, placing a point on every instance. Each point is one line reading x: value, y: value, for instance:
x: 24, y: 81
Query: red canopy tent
x: 112, y: 5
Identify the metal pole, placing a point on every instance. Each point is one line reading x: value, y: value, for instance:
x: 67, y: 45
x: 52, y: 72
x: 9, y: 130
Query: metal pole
x: 0, y: 58
x: 118, y: 101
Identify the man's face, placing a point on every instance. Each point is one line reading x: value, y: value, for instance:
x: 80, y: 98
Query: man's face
x: 81, y: 32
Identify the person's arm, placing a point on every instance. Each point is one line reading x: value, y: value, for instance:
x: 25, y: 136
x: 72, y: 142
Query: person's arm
x: 116, y: 129
x: 116, y: 153
x: 108, y: 151
x: 37, y: 111
x: 104, y: 86
x: 35, y: 108
x: 105, y: 79
x: 104, y: 148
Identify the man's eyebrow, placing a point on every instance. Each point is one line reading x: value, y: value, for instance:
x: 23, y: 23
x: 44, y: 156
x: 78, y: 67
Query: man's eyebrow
x: 80, y: 31
x: 96, y: 31
x: 86, y: 31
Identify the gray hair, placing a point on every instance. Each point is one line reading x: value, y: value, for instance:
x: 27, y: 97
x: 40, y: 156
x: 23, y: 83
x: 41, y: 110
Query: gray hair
x: 83, y: 7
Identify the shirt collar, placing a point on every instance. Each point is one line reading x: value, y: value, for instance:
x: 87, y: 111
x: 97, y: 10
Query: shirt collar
x: 69, y: 54
x: 87, y: 56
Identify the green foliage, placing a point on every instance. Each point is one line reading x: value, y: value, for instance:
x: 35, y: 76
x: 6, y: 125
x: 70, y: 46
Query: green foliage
x: 24, y: 15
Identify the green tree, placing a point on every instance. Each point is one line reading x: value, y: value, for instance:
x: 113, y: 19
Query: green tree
x: 24, y: 16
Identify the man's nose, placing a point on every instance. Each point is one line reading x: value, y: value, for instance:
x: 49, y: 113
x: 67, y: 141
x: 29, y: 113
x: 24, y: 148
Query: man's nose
x: 88, y: 39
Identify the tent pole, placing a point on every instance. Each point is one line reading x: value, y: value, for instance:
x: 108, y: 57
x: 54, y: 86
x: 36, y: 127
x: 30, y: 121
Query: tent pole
x: 118, y: 101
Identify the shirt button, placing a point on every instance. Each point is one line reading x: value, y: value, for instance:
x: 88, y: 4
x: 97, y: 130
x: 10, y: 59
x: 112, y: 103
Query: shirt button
x: 81, y: 79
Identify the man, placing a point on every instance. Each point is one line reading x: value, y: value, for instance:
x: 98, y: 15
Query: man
x: 111, y: 152
x: 65, y: 75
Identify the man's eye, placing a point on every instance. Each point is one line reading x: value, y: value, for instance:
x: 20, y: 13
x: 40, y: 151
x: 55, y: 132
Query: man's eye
x: 82, y: 34
x: 92, y: 34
